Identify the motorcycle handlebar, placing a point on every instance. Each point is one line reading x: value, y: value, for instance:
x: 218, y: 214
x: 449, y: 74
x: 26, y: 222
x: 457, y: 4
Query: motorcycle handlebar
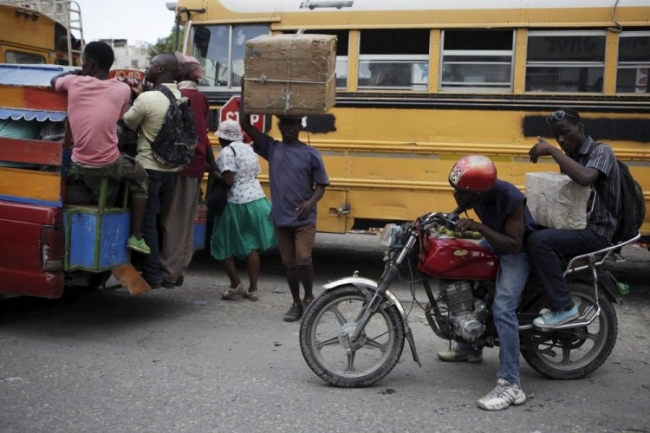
x: 438, y: 218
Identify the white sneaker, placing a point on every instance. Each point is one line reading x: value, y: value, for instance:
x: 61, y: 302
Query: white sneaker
x: 502, y: 396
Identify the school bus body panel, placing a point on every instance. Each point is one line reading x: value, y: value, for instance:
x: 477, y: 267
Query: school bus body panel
x: 398, y: 180
x: 29, y: 36
x: 26, y: 31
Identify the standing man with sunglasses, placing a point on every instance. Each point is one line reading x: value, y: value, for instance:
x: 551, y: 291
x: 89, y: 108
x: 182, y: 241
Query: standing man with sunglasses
x: 588, y: 163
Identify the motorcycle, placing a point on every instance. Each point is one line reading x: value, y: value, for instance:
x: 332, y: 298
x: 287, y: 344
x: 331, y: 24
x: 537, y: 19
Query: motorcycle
x: 353, y: 333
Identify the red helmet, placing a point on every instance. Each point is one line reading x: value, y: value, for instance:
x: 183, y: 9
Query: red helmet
x: 473, y: 173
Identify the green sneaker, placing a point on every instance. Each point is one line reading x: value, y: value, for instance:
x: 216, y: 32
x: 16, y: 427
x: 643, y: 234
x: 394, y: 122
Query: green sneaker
x: 138, y: 245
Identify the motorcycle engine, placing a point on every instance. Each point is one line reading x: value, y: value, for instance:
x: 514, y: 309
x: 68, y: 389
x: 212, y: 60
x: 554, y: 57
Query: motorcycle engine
x: 464, y: 309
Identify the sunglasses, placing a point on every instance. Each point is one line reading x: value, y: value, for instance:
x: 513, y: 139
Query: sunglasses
x: 559, y: 116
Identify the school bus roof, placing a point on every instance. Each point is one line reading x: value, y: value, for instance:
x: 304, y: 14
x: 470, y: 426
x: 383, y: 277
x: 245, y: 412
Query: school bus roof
x: 359, y: 14
x: 250, y: 6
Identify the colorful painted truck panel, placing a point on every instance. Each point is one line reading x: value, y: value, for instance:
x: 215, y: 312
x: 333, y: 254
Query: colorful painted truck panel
x: 45, y: 244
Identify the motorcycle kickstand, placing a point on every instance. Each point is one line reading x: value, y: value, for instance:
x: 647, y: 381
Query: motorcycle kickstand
x: 414, y: 352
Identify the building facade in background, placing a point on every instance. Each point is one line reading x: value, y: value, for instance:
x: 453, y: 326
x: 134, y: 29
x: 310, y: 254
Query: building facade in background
x: 129, y: 56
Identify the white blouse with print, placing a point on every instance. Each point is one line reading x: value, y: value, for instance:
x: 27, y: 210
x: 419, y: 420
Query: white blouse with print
x: 245, y: 163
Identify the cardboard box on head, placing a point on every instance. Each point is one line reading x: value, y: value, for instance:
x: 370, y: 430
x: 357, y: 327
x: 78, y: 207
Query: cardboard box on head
x: 290, y: 75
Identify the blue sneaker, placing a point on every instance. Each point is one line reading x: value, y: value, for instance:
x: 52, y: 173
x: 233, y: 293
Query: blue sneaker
x: 551, y: 319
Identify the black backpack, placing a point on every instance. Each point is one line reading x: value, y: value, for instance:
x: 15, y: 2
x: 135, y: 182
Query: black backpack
x: 632, y: 212
x: 176, y: 141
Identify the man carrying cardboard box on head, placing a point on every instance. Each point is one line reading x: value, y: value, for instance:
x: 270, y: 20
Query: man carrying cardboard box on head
x: 587, y: 163
x: 298, y: 180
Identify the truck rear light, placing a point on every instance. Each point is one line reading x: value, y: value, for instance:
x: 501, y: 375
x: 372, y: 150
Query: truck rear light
x: 52, y: 247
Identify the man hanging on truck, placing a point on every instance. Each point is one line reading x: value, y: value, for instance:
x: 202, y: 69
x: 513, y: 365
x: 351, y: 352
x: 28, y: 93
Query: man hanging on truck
x: 147, y: 116
x: 95, y: 103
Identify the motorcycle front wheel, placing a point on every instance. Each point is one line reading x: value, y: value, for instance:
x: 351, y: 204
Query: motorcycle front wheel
x: 324, y: 339
x: 575, y: 352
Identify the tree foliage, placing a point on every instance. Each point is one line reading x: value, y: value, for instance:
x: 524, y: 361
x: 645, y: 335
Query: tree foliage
x: 167, y: 44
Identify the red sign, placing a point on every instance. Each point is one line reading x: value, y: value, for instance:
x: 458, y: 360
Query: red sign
x: 128, y: 75
x: 230, y: 111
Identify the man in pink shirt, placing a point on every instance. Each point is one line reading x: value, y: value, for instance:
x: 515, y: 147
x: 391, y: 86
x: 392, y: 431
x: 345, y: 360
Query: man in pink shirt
x: 95, y: 103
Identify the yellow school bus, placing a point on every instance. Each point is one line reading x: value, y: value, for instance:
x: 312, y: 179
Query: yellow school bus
x: 40, y: 32
x: 422, y: 82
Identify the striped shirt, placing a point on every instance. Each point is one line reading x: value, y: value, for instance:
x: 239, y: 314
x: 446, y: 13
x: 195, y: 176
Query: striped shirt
x: 607, y: 187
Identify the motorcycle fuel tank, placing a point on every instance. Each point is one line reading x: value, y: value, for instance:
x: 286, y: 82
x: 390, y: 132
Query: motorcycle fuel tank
x: 450, y: 258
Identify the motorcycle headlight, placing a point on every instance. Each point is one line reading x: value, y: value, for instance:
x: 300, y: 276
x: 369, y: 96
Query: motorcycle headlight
x: 389, y: 235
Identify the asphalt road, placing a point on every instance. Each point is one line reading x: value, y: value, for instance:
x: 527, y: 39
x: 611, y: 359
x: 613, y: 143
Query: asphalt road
x: 183, y: 360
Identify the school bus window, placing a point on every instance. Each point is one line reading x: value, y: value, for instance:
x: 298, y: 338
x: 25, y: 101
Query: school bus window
x: 342, y: 42
x: 396, y: 72
x: 565, y: 61
x: 23, y: 58
x: 341, y: 72
x: 477, y: 60
x: 394, y: 59
x: 220, y: 49
x: 633, y: 62
x: 342, y: 38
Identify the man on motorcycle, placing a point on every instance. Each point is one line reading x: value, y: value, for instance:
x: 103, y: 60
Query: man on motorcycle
x: 589, y: 164
x: 505, y: 224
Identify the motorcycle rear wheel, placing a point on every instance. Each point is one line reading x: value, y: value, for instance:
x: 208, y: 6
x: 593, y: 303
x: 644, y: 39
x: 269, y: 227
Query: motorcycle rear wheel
x: 327, y: 323
x: 581, y: 350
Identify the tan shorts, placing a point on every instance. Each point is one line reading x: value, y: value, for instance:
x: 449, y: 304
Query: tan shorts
x: 125, y: 167
x: 295, y: 244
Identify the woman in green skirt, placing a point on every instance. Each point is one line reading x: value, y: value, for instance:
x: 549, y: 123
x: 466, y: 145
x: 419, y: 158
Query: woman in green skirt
x: 244, y: 227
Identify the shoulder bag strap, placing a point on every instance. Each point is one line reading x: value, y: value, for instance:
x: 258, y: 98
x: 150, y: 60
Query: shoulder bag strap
x: 165, y: 91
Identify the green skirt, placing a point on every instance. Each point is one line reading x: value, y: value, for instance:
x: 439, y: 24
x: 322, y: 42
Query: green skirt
x: 242, y: 228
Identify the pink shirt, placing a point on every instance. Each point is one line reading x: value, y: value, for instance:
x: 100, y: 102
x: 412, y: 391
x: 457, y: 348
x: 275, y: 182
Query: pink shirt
x: 94, y: 107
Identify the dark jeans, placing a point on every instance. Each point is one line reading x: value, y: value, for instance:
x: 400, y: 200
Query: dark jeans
x: 161, y: 186
x: 546, y: 246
